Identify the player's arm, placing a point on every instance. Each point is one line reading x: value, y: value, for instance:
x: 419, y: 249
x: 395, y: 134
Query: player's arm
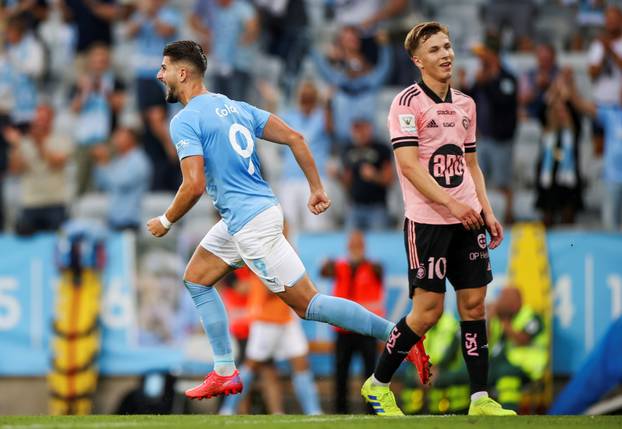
x: 278, y: 131
x: 408, y: 160
x: 190, y: 191
x: 493, y: 225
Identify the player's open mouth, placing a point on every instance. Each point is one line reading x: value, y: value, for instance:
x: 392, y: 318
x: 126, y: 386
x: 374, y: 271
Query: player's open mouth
x: 446, y: 65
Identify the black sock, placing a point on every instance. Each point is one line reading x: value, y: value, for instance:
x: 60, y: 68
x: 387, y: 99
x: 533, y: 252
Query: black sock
x: 475, y: 352
x: 398, y: 345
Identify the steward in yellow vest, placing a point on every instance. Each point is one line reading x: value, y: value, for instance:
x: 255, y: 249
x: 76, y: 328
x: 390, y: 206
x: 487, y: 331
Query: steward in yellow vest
x: 519, y: 345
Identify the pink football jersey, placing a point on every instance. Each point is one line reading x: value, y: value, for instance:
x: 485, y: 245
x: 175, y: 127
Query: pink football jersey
x: 443, y: 130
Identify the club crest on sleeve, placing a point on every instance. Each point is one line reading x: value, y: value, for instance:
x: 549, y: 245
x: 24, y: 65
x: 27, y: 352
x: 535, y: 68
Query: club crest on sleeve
x: 181, y: 144
x: 407, y: 123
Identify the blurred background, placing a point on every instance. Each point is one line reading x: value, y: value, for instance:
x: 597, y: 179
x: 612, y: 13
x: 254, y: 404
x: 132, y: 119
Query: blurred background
x: 93, y: 315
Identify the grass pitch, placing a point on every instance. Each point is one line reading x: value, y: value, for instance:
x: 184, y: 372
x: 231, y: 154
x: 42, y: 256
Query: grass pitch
x: 323, y: 422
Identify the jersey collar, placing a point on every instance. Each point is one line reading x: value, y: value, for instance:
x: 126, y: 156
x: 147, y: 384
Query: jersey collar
x: 428, y: 91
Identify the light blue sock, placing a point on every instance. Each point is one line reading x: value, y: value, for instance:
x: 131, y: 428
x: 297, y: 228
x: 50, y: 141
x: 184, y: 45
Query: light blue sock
x: 348, y: 315
x: 232, y: 402
x: 215, y: 323
x: 306, y: 392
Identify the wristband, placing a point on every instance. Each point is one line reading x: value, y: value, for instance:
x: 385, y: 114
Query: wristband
x: 165, y: 222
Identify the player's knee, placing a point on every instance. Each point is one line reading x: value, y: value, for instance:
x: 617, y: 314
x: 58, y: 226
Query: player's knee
x: 472, y: 309
x: 190, y: 276
x: 432, y: 316
x: 421, y: 322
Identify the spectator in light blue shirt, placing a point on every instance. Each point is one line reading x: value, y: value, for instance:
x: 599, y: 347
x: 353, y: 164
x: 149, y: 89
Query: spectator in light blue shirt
x: 125, y: 179
x: 152, y: 26
x: 27, y: 63
x: 97, y: 100
x: 233, y: 28
x: 610, y: 117
x: 314, y: 122
x: 356, y: 81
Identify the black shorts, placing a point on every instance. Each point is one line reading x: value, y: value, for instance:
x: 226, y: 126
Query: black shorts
x: 436, y: 252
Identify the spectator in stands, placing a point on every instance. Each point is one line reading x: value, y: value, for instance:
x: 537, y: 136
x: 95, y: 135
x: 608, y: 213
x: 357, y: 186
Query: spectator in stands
x: 275, y: 333
x: 355, y: 80
x: 519, y: 345
x: 39, y: 158
x: 515, y: 21
x: 26, y: 61
x: 98, y: 99
x: 360, y: 280
x: 367, y: 175
x: 152, y: 26
x: 125, y: 179
x: 605, y: 69
x: 367, y: 16
x: 558, y: 178
x: 93, y: 21
x: 535, y: 83
x: 286, y: 28
x: 32, y: 11
x: 313, y: 119
x: 495, y: 93
x: 610, y: 117
x: 232, y: 27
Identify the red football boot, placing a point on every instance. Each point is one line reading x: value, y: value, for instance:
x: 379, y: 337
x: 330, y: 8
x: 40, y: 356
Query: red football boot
x: 216, y: 385
x: 418, y: 357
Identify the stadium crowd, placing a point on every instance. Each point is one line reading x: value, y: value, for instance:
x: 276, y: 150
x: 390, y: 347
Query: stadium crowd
x: 81, y: 107
x: 84, y: 123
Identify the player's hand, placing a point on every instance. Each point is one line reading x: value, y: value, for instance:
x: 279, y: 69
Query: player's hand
x: 318, y: 202
x: 495, y: 229
x: 156, y: 228
x: 470, y: 219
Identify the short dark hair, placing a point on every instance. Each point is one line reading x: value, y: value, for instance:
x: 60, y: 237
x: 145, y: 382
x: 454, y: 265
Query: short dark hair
x: 187, y: 50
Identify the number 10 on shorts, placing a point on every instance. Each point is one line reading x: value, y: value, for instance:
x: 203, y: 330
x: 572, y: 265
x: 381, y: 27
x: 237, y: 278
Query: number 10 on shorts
x: 437, y: 267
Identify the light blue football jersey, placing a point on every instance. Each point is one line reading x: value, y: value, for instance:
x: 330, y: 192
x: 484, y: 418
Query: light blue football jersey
x: 223, y: 132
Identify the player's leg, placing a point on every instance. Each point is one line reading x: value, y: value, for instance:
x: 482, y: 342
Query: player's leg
x: 469, y: 271
x: 475, y: 351
x: 426, y: 250
x: 474, y: 337
x: 268, y: 254
x: 263, y: 340
x: 427, y: 308
x: 213, y: 258
x: 293, y: 346
x: 305, y: 300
